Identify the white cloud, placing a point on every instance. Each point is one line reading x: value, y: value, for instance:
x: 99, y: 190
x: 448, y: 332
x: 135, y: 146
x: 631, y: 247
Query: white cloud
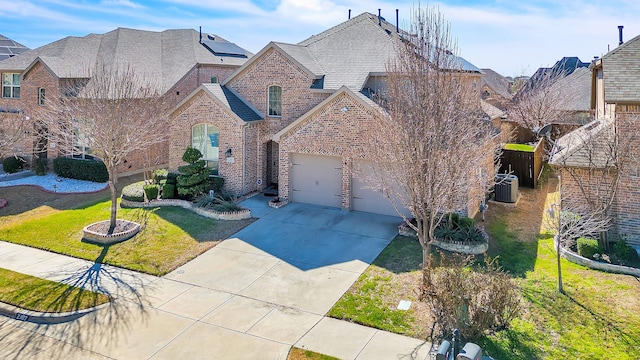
x: 125, y: 3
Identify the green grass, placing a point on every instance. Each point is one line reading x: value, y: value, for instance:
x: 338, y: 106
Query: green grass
x: 598, y: 318
x: 32, y: 293
x: 171, y: 237
x: 373, y: 299
x: 519, y: 147
x: 302, y: 354
x: 516, y: 257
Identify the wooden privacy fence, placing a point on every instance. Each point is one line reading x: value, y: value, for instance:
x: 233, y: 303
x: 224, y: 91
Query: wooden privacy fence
x: 525, y: 164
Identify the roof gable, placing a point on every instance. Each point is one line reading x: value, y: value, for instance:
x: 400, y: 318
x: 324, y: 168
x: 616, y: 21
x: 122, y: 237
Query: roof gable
x: 362, y: 99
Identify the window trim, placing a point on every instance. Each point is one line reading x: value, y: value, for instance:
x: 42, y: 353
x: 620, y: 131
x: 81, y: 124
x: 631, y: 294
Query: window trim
x: 275, y: 113
x: 211, y: 162
x: 41, y: 96
x: 12, y: 86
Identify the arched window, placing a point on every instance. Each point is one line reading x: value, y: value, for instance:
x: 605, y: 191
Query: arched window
x: 275, y: 100
x: 204, y: 137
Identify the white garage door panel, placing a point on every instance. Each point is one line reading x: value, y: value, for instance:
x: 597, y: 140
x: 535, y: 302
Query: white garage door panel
x: 316, y: 180
x: 364, y: 198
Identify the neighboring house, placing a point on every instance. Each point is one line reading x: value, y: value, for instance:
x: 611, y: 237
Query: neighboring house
x: 615, y: 84
x: 179, y: 60
x: 568, y: 84
x: 495, y: 89
x: 292, y: 118
x: 10, y: 48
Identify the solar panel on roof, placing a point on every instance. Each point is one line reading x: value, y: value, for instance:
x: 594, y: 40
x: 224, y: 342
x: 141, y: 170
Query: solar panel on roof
x: 221, y: 48
x: 6, y: 51
x: 7, y: 43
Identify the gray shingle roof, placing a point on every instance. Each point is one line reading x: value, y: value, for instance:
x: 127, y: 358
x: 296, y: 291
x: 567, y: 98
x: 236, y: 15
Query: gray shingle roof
x: 348, y: 53
x: 498, y: 83
x: 576, y: 90
x: 10, y: 48
x: 232, y: 102
x: 586, y: 147
x: 491, y: 110
x: 166, y: 56
x: 621, y: 72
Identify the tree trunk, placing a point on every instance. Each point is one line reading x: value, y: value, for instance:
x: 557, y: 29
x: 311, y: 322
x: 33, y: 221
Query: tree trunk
x: 113, y: 186
x: 560, y: 289
x: 426, y: 261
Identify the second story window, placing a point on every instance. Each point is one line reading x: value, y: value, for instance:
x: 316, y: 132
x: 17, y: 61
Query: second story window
x: 11, y: 86
x: 275, y: 100
x: 41, y: 97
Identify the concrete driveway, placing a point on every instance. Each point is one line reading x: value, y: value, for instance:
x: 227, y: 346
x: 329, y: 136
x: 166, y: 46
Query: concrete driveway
x: 250, y: 297
x: 299, y: 256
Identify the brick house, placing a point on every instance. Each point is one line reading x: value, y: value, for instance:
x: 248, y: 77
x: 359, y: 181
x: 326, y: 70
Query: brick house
x: 587, y: 152
x: 292, y: 118
x: 180, y: 60
x: 496, y: 89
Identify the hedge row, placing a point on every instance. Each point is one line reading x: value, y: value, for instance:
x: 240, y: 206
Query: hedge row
x: 90, y: 170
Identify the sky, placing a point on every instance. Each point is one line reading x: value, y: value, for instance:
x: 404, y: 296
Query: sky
x: 512, y: 37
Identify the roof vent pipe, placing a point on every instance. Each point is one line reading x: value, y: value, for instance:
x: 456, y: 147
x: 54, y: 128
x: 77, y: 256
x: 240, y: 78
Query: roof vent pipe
x: 379, y: 18
x: 200, y: 34
x: 620, y: 27
x: 397, y: 25
x: 349, y: 14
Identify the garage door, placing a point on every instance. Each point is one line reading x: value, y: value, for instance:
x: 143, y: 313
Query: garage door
x: 316, y: 180
x: 364, y: 198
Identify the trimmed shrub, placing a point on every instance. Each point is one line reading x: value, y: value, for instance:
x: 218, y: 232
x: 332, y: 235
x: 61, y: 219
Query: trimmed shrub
x: 134, y: 192
x: 160, y: 176
x: 41, y: 166
x: 217, y: 183
x: 624, y: 251
x: 194, y: 178
x: 90, y: 170
x: 151, y: 191
x: 172, y: 178
x: 588, y: 247
x: 168, y: 191
x: 13, y: 164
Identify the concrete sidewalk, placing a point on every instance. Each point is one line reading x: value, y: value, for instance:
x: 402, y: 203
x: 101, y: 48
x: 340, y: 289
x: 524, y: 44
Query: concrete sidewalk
x: 251, y: 297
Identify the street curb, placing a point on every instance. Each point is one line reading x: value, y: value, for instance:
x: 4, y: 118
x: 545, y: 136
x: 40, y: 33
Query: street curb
x: 18, y: 313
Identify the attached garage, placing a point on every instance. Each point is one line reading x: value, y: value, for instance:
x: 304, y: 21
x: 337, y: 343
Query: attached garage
x: 364, y: 198
x: 316, y: 180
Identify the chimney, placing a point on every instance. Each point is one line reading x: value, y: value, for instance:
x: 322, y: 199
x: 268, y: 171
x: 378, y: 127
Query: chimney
x: 379, y: 18
x: 397, y: 25
x: 349, y: 14
x: 200, y: 34
x: 620, y: 27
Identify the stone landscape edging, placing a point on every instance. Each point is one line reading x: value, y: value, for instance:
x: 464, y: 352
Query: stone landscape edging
x: 471, y: 249
x: 104, y: 239
x: 593, y: 264
x: 233, y: 215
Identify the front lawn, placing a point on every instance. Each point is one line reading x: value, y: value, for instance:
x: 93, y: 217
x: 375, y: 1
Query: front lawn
x: 598, y: 318
x: 171, y: 237
x: 32, y: 293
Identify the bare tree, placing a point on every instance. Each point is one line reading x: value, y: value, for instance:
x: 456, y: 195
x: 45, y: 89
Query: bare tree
x: 429, y: 144
x: 12, y: 131
x: 115, y: 112
x: 570, y: 223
